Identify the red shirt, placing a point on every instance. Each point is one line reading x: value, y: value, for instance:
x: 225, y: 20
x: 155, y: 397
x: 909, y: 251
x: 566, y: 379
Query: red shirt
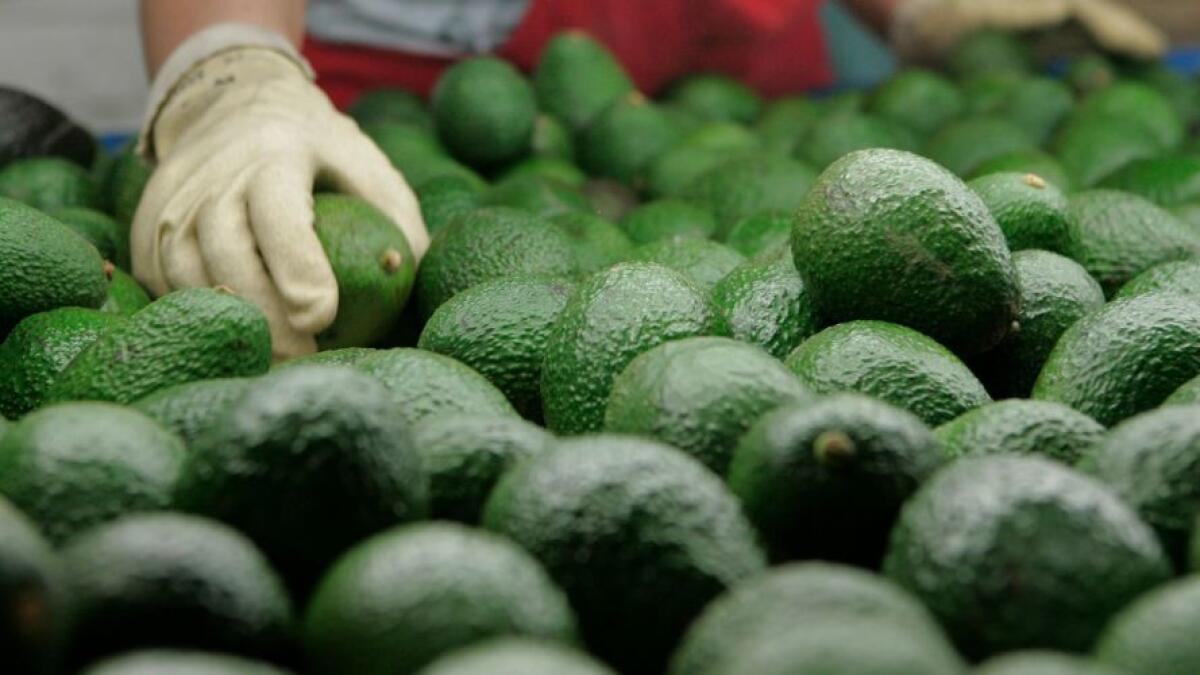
x: 775, y: 46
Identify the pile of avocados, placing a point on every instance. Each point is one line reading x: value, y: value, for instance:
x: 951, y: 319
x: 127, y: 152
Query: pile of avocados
x: 902, y: 381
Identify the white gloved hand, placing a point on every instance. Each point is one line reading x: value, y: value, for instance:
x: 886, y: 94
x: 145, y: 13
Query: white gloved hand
x: 928, y: 28
x: 240, y: 137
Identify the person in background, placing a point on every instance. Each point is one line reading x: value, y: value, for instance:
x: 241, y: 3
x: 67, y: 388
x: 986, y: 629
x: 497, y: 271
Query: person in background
x: 241, y: 125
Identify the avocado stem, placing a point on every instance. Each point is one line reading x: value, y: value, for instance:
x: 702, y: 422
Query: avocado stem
x: 834, y: 448
x: 1035, y: 181
x: 391, y: 260
x: 109, y: 269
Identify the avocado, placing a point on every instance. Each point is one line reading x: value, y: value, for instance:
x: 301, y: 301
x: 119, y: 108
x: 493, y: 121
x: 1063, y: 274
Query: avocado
x: 1031, y: 212
x: 1179, y: 88
x: 1168, y: 180
x: 39, y: 348
x: 373, y: 264
x: 760, y: 232
x: 1188, y: 392
x: 793, y: 594
x: 763, y: 301
x: 1021, y: 427
x: 703, y: 261
x: 1090, y: 72
x: 484, y: 111
x: 1148, y: 460
x: 349, y: 356
x: 74, y: 465
x: 784, y: 123
x: 554, y: 168
x: 551, y: 139
x: 836, y: 646
x: 1138, y: 104
x: 309, y: 461
x: 920, y: 99
x: 1157, y: 632
x: 1117, y: 236
x: 989, y: 50
x: 516, y: 655
x: 612, y: 317
x: 125, y: 295
x: 1038, y: 105
x: 610, y: 199
x: 390, y: 104
x: 192, y: 408
x: 577, y: 78
x: 716, y: 97
x: 1055, y: 293
x: 1124, y: 358
x: 964, y: 145
x: 425, y: 384
x: 46, y: 265
x: 668, y: 218
x: 826, y: 479
x: 34, y: 128
x: 47, y: 183
x: 128, y: 180
x: 1036, y: 162
x: 445, y: 198
x: 399, y: 600
x: 834, y: 136
x: 601, y: 511
x: 986, y: 93
x: 1177, y: 276
x: 33, y: 600
x: 417, y: 153
x: 500, y: 328
x: 1044, y: 662
x: 889, y: 235
x: 109, y: 237
x: 890, y: 362
x: 624, y: 140
x: 169, y: 579
x: 465, y: 455
x: 842, y: 103
x: 700, y: 150
x: 1093, y: 147
x: 598, y: 242
x: 540, y: 195
x: 489, y: 244
x: 184, y: 336
x: 741, y: 187
x: 699, y: 394
x: 1015, y: 552
x: 179, y: 662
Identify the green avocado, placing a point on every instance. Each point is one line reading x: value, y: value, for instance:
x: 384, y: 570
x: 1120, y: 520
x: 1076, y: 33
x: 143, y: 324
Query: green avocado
x: 598, y: 242
x: 423, y: 384
x: 484, y: 111
x: 668, y: 218
x: 1044, y: 662
x: 48, y: 183
x: 1188, y: 392
x: 1177, y: 276
x: 389, y: 104
x: 518, y: 656
x: 110, y: 237
x: 1140, y: 105
x: 703, y: 261
x: 1038, y: 105
x: 920, y: 99
x: 963, y: 146
x: 763, y: 301
x: 1031, y: 212
x: 540, y: 195
x: 700, y: 150
x: 760, y: 232
x: 832, y: 137
x: 625, y: 140
x: 1036, y: 162
x: 577, y: 78
x: 716, y: 97
x: 445, y: 198
x: 1093, y: 147
x: 744, y: 186
x: 179, y: 662
x: 34, y: 605
x: 125, y: 295
x: 989, y: 50
x: 1157, y: 632
x: 191, y: 408
x: 784, y: 123
x: 1167, y: 180
x: 1021, y: 427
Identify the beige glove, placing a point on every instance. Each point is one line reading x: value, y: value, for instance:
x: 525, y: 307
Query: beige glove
x: 927, y: 28
x: 241, y: 134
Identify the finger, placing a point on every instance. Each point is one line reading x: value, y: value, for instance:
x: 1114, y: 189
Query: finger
x: 281, y: 220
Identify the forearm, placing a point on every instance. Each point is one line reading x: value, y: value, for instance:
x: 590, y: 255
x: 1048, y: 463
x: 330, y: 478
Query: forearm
x: 875, y: 13
x: 167, y: 23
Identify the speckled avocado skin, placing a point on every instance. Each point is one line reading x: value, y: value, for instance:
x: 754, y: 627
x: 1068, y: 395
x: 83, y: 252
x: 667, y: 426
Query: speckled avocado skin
x: 704, y: 262
x: 189, y: 409
x: 1017, y: 426
x: 422, y: 384
x: 1021, y: 552
x: 1031, y: 212
x: 889, y: 235
x: 1188, y: 392
x: 763, y: 301
x: 1177, y: 276
x: 600, y: 511
x: 577, y: 78
x: 1124, y: 358
x: 516, y: 655
x: 892, y: 363
x: 1157, y: 632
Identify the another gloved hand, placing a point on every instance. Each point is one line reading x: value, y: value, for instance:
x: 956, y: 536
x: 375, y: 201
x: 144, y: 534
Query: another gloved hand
x: 928, y: 28
x: 240, y: 136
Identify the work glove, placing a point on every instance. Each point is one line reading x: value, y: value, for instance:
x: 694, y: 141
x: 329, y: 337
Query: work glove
x: 241, y: 134
x: 925, y: 29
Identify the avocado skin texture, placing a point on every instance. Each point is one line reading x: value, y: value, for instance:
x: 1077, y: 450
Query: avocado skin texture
x: 1177, y: 276
x: 389, y: 104
x: 624, y: 140
x: 1034, y: 161
x: 1117, y: 236
x: 544, y: 196
x: 1044, y: 662
x: 791, y: 594
x: 346, y: 356
x: 399, y: 600
x: 612, y: 317
x: 505, y: 656
x: 1021, y: 427
x: 598, y: 243
x: 465, y: 455
x: 744, y: 186
x: 1140, y: 104
x: 46, y: 265
x: 964, y: 145
x: 1055, y: 293
x: 74, y: 465
x: 920, y: 99
x: 704, y: 262
x: 312, y: 459
x: 1038, y: 105
x: 763, y: 301
x: 47, y: 183
x: 179, y: 662
x: 373, y: 265
x: 125, y: 295
x: 1124, y: 358
x: 184, y: 336
x: 109, y: 237
x: 153, y: 580
x: 717, y: 98
x: 1157, y: 632
x: 39, y: 348
x: 445, y: 198
x: 1093, y: 147
x: 826, y: 479
x: 577, y: 78
x: 484, y: 111
x: 1150, y: 460
x: 488, y: 244
x: 699, y: 151
x: 834, y: 135
x: 699, y: 394
x: 890, y: 362
x: 762, y: 232
x: 1188, y: 392
x: 500, y: 329
x: 668, y: 218
x: 1031, y: 212
x: 1168, y: 180
x: 602, y: 510
x: 422, y: 384
x: 31, y: 578
x: 191, y: 408
x: 1079, y: 552
x: 889, y: 235
x: 836, y: 647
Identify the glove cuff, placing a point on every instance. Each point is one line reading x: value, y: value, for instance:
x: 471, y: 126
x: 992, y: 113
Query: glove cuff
x: 199, y: 48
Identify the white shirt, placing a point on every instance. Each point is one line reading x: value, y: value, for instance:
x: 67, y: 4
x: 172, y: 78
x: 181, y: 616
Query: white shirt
x: 434, y: 27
